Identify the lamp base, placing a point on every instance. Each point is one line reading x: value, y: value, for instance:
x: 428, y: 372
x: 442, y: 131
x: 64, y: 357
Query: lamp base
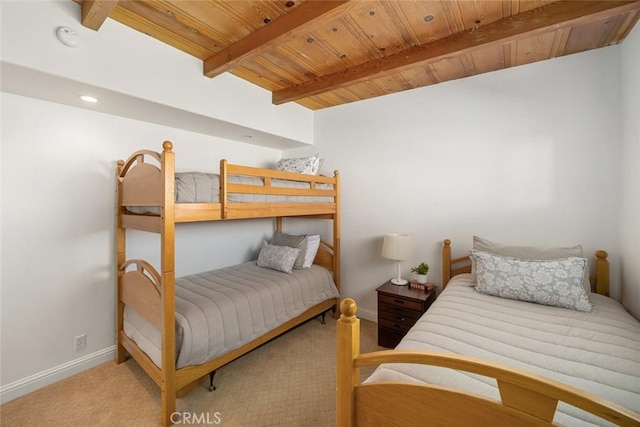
x: 399, y: 282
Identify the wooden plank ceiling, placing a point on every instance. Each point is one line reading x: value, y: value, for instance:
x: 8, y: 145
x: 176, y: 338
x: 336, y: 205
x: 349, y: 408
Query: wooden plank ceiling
x: 326, y: 53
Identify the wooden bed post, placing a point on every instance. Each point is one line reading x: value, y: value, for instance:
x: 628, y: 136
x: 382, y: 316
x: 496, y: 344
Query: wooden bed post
x: 446, y: 263
x: 121, y: 257
x: 168, y: 285
x: 336, y: 240
x: 347, y: 377
x: 602, y: 273
x: 336, y: 234
x: 224, y: 196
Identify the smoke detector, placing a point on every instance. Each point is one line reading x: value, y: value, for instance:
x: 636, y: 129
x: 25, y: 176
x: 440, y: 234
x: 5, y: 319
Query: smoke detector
x: 68, y: 36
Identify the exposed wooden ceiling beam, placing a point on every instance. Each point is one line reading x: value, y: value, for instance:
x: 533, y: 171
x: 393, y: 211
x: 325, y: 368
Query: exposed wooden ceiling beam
x: 524, y: 25
x: 95, y: 12
x: 271, y: 35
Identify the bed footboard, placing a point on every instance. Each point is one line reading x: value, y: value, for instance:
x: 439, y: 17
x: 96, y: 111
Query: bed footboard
x: 526, y: 399
x: 145, y: 291
x: 141, y: 291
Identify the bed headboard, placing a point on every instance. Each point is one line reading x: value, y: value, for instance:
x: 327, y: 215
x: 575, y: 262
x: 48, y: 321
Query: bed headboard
x: 328, y: 255
x: 454, y: 266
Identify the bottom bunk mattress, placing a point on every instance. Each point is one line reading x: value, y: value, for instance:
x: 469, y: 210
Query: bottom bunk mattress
x: 221, y: 310
x: 598, y: 351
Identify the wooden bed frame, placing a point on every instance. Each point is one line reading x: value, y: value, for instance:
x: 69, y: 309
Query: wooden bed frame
x: 152, y: 294
x: 526, y: 399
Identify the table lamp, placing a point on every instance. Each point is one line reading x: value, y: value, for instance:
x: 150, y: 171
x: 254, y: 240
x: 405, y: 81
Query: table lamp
x: 397, y: 247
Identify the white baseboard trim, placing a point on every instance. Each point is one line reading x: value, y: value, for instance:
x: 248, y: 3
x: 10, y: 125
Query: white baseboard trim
x: 41, y: 379
x: 365, y: 314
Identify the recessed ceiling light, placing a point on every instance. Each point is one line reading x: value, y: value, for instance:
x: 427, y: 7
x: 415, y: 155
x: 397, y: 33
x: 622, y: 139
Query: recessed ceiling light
x: 88, y: 98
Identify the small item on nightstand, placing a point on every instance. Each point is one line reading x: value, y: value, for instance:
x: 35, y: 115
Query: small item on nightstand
x: 421, y: 271
x: 421, y: 286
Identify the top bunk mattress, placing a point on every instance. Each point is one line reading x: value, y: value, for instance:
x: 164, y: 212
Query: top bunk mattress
x: 200, y: 187
x: 598, y: 352
x: 221, y: 310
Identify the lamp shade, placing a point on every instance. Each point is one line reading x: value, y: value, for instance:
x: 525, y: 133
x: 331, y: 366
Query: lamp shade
x: 396, y: 246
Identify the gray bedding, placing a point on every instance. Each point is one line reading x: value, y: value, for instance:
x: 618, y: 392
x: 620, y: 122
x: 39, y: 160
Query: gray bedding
x: 598, y: 351
x: 221, y: 310
x: 198, y: 187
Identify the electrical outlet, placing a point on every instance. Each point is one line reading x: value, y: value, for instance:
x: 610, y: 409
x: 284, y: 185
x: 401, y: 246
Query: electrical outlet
x: 80, y: 342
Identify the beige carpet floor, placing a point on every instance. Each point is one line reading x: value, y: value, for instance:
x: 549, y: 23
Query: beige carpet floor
x: 289, y: 381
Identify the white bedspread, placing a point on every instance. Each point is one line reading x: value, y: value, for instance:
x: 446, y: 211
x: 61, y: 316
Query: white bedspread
x: 598, y: 351
x: 221, y: 310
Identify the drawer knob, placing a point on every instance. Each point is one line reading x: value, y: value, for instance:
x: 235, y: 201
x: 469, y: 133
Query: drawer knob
x: 399, y: 301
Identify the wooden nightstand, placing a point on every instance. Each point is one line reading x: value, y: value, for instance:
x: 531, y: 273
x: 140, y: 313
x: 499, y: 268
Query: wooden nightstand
x: 399, y: 307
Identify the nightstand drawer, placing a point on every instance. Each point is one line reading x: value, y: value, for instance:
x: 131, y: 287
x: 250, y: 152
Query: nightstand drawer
x: 396, y: 318
x: 400, y: 302
x: 396, y: 326
x: 399, y: 310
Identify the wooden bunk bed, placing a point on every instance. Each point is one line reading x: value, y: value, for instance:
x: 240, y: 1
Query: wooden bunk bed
x: 523, y: 397
x: 147, y: 179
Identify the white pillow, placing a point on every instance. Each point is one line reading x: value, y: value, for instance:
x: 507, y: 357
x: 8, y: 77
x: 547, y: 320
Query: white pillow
x: 306, y: 165
x: 555, y: 282
x: 313, y: 243
x: 279, y: 258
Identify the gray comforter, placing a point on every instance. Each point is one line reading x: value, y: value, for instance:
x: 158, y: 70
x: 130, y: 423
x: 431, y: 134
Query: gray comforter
x: 221, y: 310
x: 598, y: 351
x: 198, y: 187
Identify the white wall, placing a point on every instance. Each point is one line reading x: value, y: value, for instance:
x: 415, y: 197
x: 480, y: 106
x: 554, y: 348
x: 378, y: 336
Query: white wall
x: 630, y: 211
x: 527, y: 155
x: 123, y: 60
x: 58, y: 189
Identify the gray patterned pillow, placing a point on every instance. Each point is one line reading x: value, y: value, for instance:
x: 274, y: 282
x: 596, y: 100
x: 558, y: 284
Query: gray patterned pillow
x: 307, y: 165
x: 293, y: 241
x: 279, y: 258
x: 530, y: 253
x: 550, y: 282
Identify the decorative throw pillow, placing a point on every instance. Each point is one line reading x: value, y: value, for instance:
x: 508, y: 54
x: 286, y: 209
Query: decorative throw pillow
x: 293, y: 241
x: 306, y: 165
x: 279, y: 258
x: 313, y: 244
x: 550, y: 282
x: 529, y: 253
